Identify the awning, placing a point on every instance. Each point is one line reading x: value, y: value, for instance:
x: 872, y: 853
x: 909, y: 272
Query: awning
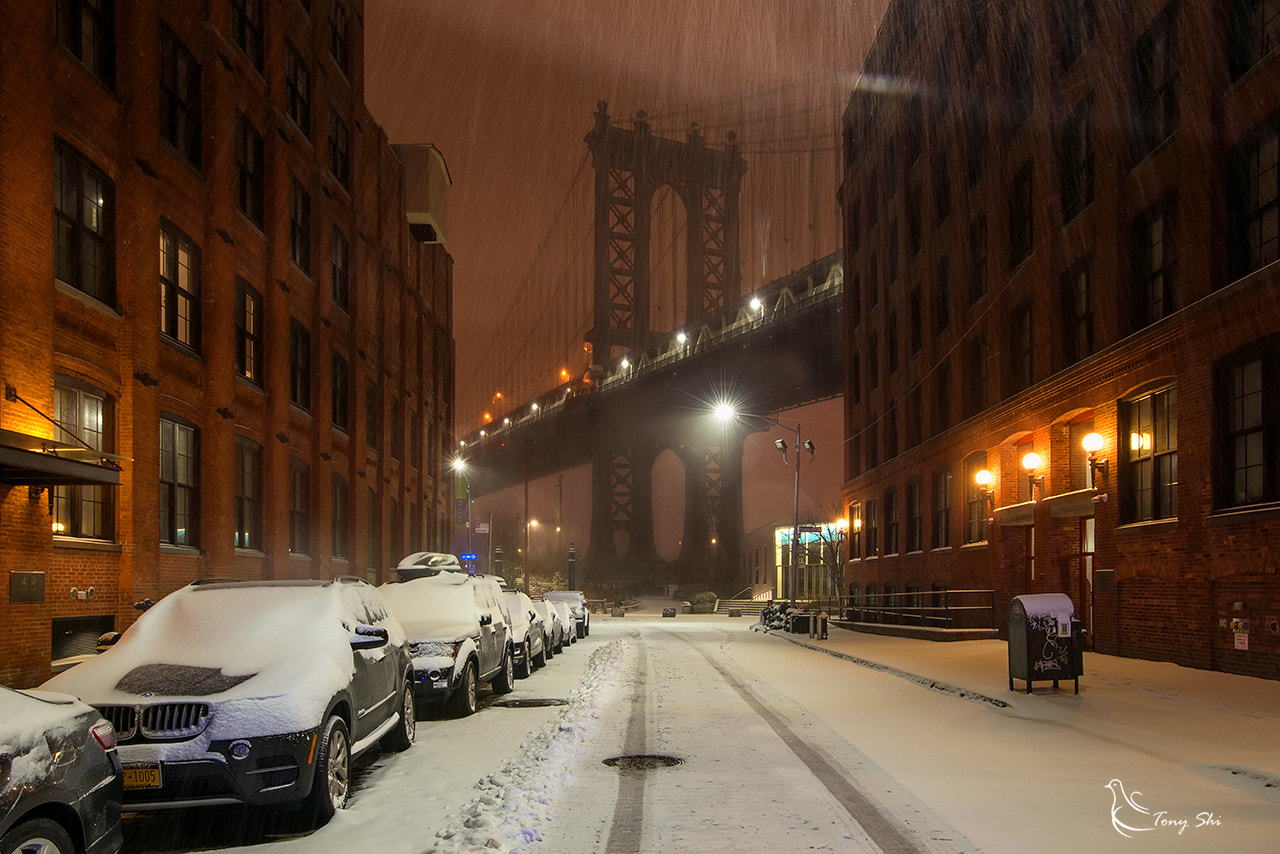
x: 1074, y: 505
x: 39, y: 461
x: 1016, y: 515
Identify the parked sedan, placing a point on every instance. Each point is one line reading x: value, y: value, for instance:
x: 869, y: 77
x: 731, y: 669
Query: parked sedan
x: 556, y: 635
x: 566, y: 619
x: 252, y: 692
x: 577, y: 602
x: 528, y: 635
x: 60, y: 781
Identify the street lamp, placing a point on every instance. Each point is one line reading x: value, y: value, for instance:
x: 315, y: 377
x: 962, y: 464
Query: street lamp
x: 725, y: 412
x: 842, y: 529
x: 1093, y: 443
x: 460, y: 470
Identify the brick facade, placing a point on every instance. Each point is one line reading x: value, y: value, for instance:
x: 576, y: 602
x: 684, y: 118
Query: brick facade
x: 395, y: 331
x: 1148, y: 278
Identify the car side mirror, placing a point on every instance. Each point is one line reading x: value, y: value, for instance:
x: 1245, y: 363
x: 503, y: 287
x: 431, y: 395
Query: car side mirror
x: 369, y: 637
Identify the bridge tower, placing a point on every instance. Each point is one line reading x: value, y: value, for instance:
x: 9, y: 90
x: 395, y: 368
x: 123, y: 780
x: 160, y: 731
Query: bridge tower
x: 630, y: 167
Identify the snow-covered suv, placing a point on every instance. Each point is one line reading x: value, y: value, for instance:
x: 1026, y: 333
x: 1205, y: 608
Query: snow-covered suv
x: 251, y: 692
x: 459, y: 633
x: 577, y: 602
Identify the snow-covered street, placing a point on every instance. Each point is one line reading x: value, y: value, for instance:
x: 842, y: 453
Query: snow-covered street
x: 786, y: 744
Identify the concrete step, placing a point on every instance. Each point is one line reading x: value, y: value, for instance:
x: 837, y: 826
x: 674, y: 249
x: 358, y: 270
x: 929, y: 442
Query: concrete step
x: 748, y: 607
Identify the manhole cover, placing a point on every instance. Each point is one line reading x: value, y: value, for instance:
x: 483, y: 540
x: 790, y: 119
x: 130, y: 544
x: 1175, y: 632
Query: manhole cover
x: 643, y: 762
x: 530, y: 703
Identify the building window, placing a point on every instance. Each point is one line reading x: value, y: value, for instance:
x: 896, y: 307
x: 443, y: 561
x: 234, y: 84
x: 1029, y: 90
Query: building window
x: 179, y: 287
x: 1077, y: 311
x: 299, y: 364
x: 179, y: 479
x: 297, y: 84
x: 300, y: 227
x: 942, y: 297
x: 941, y: 186
x: 915, y: 215
x: 1154, y: 264
x: 340, y: 37
x: 1155, y: 85
x: 339, y: 269
x: 1021, y: 349
x: 976, y: 129
x: 942, y: 396
x: 339, y: 149
x: 1257, y: 200
x: 373, y: 539
x: 1255, y: 33
x: 415, y: 440
x: 397, y: 528
x: 975, y: 500
x: 1077, y: 161
x: 1077, y: 20
x: 248, y: 332
x: 415, y: 529
x: 395, y: 425
x: 915, y: 415
x: 975, y: 377
x: 915, y: 327
x: 250, y: 179
x: 248, y: 494
x: 873, y: 362
x: 372, y: 407
x: 915, y: 515
x: 891, y: 521
x: 299, y: 506
x: 341, y: 393
x: 82, y: 417
x: 1019, y: 80
x: 891, y: 430
x: 1150, y: 489
x: 891, y: 343
x: 1249, y: 407
x: 340, y: 534
x: 246, y: 29
x: 1021, y: 233
x: 873, y: 528
x: 87, y: 29
x: 179, y: 96
x: 855, y: 377
x: 891, y: 264
x: 977, y: 258
x: 84, y: 218
x: 873, y: 280
x: 873, y: 441
x: 942, y: 508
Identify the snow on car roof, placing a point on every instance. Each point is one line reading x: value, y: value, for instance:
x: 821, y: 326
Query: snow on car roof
x: 437, y: 607
x: 429, y: 559
x: 236, y: 640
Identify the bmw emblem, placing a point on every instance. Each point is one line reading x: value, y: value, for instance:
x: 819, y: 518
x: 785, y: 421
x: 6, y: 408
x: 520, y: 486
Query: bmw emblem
x: 239, y: 750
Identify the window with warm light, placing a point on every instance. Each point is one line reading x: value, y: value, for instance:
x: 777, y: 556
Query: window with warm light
x: 1149, y: 488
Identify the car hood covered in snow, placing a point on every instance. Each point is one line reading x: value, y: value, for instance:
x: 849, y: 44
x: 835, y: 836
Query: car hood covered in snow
x: 281, y: 645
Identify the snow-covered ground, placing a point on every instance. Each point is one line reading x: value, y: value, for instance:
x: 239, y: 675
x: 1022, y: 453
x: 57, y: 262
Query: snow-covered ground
x: 786, y: 741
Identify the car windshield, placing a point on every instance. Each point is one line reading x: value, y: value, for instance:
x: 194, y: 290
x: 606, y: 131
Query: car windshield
x: 441, y: 607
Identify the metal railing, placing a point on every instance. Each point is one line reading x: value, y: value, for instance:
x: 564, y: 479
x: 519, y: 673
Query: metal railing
x: 938, y: 609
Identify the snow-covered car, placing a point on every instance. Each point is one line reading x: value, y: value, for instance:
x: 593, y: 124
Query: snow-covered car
x: 553, y: 626
x: 252, y: 692
x: 421, y: 564
x: 459, y: 635
x: 60, y: 780
x: 528, y: 636
x: 577, y: 602
x: 566, y: 619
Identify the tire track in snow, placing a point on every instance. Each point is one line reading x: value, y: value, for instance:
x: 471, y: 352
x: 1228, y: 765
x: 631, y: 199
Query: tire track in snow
x: 628, y: 813
x: 879, y: 827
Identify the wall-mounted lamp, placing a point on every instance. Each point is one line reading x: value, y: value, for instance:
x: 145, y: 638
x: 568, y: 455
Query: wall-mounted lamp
x: 1093, y: 443
x: 780, y: 444
x: 1031, y: 462
x: 809, y: 446
x: 983, y: 479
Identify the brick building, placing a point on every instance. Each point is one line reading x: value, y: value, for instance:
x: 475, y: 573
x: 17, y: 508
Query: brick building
x: 270, y: 394
x: 1062, y: 219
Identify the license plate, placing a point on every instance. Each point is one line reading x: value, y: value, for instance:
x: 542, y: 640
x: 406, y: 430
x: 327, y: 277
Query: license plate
x: 142, y: 776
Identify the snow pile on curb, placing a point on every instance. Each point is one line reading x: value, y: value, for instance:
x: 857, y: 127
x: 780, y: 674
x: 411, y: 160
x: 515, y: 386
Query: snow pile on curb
x: 513, y: 804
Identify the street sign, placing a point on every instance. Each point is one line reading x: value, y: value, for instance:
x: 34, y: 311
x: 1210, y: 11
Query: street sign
x: 809, y: 529
x: 469, y: 556
x: 482, y: 527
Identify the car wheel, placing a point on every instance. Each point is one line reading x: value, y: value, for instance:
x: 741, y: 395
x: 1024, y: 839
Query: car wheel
x: 581, y: 630
x: 462, y: 701
x: 401, y: 736
x: 559, y: 644
x: 525, y: 668
x: 548, y: 650
x: 332, y: 784
x: 505, y: 681
x: 586, y: 627
x: 540, y: 660
x: 37, y: 836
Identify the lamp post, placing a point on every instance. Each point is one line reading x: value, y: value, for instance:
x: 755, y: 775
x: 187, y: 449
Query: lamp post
x: 725, y: 413
x: 842, y: 528
x: 460, y: 470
